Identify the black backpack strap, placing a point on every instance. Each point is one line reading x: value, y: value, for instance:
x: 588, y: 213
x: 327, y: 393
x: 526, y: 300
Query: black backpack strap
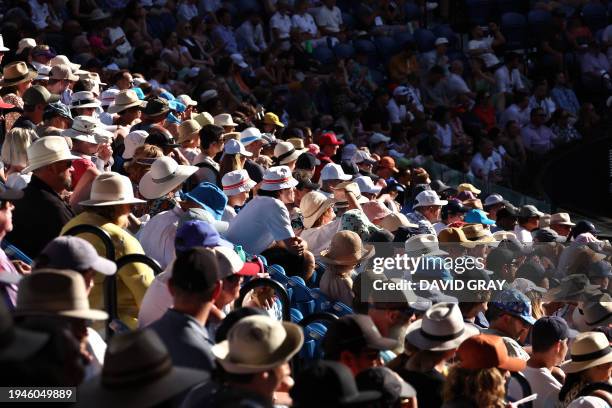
x: 205, y: 165
x: 591, y: 388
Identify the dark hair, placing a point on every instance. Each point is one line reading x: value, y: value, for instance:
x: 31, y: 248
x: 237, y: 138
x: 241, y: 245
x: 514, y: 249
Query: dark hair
x: 119, y: 75
x: 210, y: 134
x: 268, y: 193
x: 292, y: 264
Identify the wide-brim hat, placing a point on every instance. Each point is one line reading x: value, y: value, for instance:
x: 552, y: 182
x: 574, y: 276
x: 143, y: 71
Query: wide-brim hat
x: 111, y: 189
x: 48, y: 150
x: 589, y: 349
x: 163, y: 177
x: 291, y: 344
x: 16, y: 73
x: 448, y: 323
x: 313, y: 205
x: 593, y: 313
x: 125, y: 100
x: 285, y: 152
x: 342, y: 242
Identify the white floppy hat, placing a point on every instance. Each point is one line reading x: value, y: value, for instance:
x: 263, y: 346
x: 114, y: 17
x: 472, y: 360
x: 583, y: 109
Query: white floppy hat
x: 423, y: 244
x: 203, y: 118
x: 25, y: 43
x: 84, y: 99
x: 233, y: 146
x: 111, y: 188
x: 427, y: 198
x: 63, y: 60
x: 186, y: 100
x: 588, y: 350
x: 237, y: 181
x: 333, y: 171
x: 107, y: 97
x: 165, y: 175
x: 224, y: 119
x: 82, y: 129
x: 250, y: 135
x: 285, y: 152
x: 132, y: 141
x: 366, y: 185
x: 442, y: 328
x: 313, y: 205
x: 48, y: 150
x: 278, y: 178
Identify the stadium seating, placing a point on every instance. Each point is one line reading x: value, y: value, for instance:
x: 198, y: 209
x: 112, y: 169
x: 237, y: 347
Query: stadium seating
x: 514, y: 29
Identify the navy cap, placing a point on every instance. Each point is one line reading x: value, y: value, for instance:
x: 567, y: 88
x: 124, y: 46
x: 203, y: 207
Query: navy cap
x: 513, y: 302
x: 197, y: 233
x: 56, y: 109
x: 547, y: 331
x: 600, y: 269
x: 306, y: 161
x: 454, y: 207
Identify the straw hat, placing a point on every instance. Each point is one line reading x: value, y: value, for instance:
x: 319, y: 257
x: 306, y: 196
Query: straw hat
x: 285, y: 152
x: 588, y: 350
x: 224, y: 119
x: 25, y: 43
x: 138, y: 373
x: 297, y: 143
x: 441, y: 328
x: 55, y: 292
x: 313, y: 205
x: 593, y: 314
x: 84, y: 99
x: 47, y: 150
x: 63, y: 60
x: 124, y: 100
x: 477, y: 233
x: 346, y: 248
x: 204, y: 118
x: 187, y: 129
x: 278, y: 178
x: 394, y: 221
x: 258, y: 343
x: 561, y: 219
x: 423, y: 245
x: 111, y: 189
x: 165, y: 175
x: 16, y: 73
x: 237, y: 181
x: 61, y: 72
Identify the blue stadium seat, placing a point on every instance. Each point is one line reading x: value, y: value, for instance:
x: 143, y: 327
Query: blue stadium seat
x: 595, y: 16
x: 314, y: 334
x: 323, y: 54
x: 301, y: 298
x: 403, y: 37
x: 386, y: 47
x: 296, y: 315
x: 322, y: 302
x: 514, y: 29
x: 339, y: 309
x: 344, y: 50
x: 412, y: 11
x: 478, y: 11
x: 424, y: 39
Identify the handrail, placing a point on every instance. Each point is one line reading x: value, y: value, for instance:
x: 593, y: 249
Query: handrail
x: 278, y: 288
x: 318, y: 317
x: 110, y: 282
x: 139, y: 258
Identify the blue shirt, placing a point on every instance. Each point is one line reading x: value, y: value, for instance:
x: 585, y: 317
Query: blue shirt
x: 226, y: 36
x: 565, y: 98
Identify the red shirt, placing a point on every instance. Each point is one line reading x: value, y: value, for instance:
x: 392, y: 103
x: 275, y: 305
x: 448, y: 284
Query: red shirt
x: 80, y: 166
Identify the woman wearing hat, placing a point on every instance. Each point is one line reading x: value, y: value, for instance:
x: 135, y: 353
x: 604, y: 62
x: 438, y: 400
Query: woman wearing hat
x: 588, y: 373
x: 16, y: 78
x: 265, y: 219
x: 189, y: 139
x: 236, y: 186
x: 14, y: 156
x: 109, y: 208
x: 479, y: 379
x: 234, y: 157
x: 286, y: 154
x: 345, y: 252
x: 319, y: 219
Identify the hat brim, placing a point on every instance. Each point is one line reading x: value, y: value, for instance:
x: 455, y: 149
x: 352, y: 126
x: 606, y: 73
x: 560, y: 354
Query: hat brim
x: 309, y: 221
x: 292, y: 157
x: 290, y: 346
x: 25, y: 344
x: 85, y: 314
x: 242, y: 189
x: 415, y: 337
x: 44, y: 163
x: 94, y: 394
x: 151, y: 189
x: 558, y: 293
x: 274, y: 187
x: 570, y: 367
x: 87, y: 105
x: 120, y: 108
x: 367, y: 252
x: 29, y: 77
x: 104, y: 266
x: 439, y: 202
x: 103, y: 203
x: 11, y: 195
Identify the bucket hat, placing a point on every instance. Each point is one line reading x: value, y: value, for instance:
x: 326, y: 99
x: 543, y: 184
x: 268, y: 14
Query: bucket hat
x: 346, y: 248
x: 286, y: 152
x: 111, y: 189
x: 154, y: 106
x: 204, y: 118
x: 82, y: 129
x: 16, y: 73
x: 313, y: 205
x: 137, y: 372
x: 278, y: 178
x: 441, y: 328
x: 572, y: 287
x: 132, y: 141
x: 210, y: 197
x: 588, y: 350
x: 357, y: 221
x: 561, y: 219
x: 47, y: 150
x: 237, y: 181
x: 163, y: 177
x: 63, y: 60
x: 55, y: 292
x: 375, y: 210
x: 84, y: 99
x: 423, y: 245
x: 124, y: 100
x: 186, y: 130
x: 258, y: 343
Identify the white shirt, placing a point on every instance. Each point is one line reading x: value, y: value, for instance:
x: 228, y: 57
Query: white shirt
x: 305, y: 23
x: 445, y: 135
x: 513, y: 112
x: 260, y: 223
x: 482, y: 167
x: 506, y: 81
x: 282, y: 23
x: 96, y: 347
x: 547, y: 104
x: 157, y: 236
x: 522, y: 234
x: 157, y: 299
x: 40, y: 12
x: 397, y: 113
x: 187, y: 11
x: 251, y: 37
x: 457, y: 85
x: 331, y: 20
x: 319, y: 238
x: 484, y: 43
x: 543, y: 383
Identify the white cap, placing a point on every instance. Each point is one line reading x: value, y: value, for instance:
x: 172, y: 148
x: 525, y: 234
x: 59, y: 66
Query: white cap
x: 362, y: 155
x: 378, y: 137
x: 366, y: 185
x: 25, y: 43
x: 441, y: 40
x: 333, y: 171
x: 208, y: 95
x: 186, y: 100
x: 395, y: 154
x: 233, y: 146
x: 132, y: 141
x: 427, y: 198
x: 401, y: 90
x: 493, y: 199
x: 239, y: 60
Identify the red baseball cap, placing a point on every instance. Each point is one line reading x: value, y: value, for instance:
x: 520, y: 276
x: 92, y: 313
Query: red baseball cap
x: 329, y: 138
x: 389, y: 163
x: 4, y: 105
x: 250, y: 269
x: 487, y: 351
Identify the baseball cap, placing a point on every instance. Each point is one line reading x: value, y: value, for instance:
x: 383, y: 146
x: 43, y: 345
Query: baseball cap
x: 513, y: 302
x: 329, y: 138
x: 355, y: 331
x: 400, y: 91
x: 388, y: 162
x: 487, y: 351
x: 547, y: 235
x: 195, y: 270
x: 196, y: 233
x: 38, y: 95
x: 160, y: 139
x: 230, y: 263
x: 493, y: 199
x: 476, y: 216
x: 378, y: 138
x: 599, y: 269
x: 386, y: 381
x: 56, y: 109
x: 454, y: 207
x: 68, y: 252
x: 363, y: 156
x: 306, y: 161
x: 333, y: 171
x: 529, y: 211
x: 440, y: 41
x: 547, y: 331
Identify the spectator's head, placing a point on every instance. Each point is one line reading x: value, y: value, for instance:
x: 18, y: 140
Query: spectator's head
x: 456, y: 67
x: 529, y: 217
x: 123, y: 80
x: 510, y: 313
x: 395, y: 391
x: 505, y: 219
x: 538, y: 117
x: 560, y: 78
x: 501, y: 262
x: 512, y: 60
x: 476, y: 31
x: 521, y: 99
x: 224, y: 16
x: 436, y: 74
x: 540, y: 91
x: 211, y: 139
x: 195, y: 284
x: 485, y: 147
x: 550, y: 335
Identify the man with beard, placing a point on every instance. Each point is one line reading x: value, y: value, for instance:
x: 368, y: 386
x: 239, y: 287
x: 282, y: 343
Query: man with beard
x: 41, y: 214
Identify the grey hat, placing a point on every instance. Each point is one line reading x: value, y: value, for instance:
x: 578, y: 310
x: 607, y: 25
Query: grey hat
x: 73, y: 253
x: 57, y: 109
x: 547, y: 235
x: 528, y: 211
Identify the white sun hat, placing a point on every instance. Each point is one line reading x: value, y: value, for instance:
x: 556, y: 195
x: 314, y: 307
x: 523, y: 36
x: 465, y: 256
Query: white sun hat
x: 278, y: 178
x: 48, y: 150
x: 111, y: 189
x: 237, y: 181
x: 165, y: 175
x: 84, y: 99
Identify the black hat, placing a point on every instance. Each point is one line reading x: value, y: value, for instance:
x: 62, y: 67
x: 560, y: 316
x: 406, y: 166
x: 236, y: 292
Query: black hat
x: 306, y: 161
x: 328, y: 384
x: 453, y: 207
x: 499, y: 257
x: 160, y: 139
x: 354, y: 332
x: 583, y: 226
x: 392, y: 387
x: 547, y: 235
x: 195, y: 270
x: 438, y: 186
x: 306, y: 184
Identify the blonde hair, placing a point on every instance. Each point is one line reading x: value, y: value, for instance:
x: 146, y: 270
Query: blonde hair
x: 537, y: 310
x: 485, y: 387
x: 229, y: 162
x: 136, y: 170
x: 15, y: 146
